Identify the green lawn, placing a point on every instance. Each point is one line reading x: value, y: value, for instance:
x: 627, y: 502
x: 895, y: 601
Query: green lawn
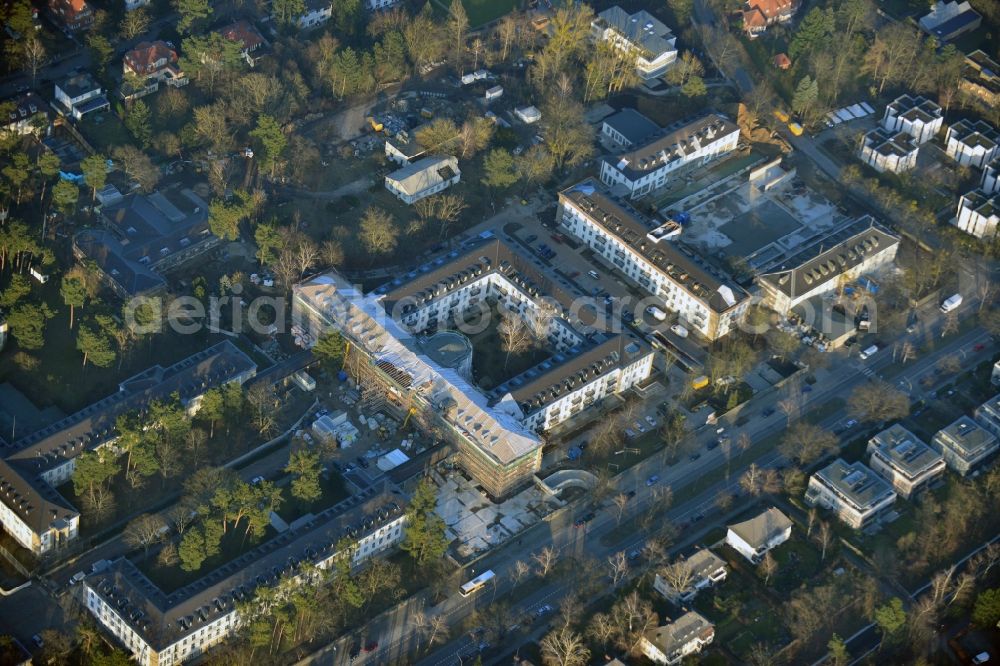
x: 104, y: 131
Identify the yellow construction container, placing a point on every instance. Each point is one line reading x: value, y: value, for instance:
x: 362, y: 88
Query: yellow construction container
x: 699, y: 382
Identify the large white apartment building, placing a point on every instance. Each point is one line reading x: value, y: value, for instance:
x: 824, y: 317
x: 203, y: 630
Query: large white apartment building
x: 965, y: 444
x: 978, y: 214
x: 855, y: 494
x: 988, y: 415
x: 496, y: 432
x: 647, y: 167
x: 641, y: 34
x: 972, y: 144
x: 850, y: 251
x: 670, y: 643
x: 705, y: 300
x: 31, y: 510
x: 162, y: 629
x: 890, y: 151
x: 917, y: 116
x: 903, y: 460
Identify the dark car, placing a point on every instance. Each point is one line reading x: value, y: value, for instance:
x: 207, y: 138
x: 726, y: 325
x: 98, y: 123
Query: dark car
x: 531, y: 239
x: 767, y: 412
x: 583, y: 520
x: 630, y: 494
x: 355, y: 651
x: 695, y: 455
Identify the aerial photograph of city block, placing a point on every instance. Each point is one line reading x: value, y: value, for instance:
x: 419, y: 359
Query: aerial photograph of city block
x: 481, y: 332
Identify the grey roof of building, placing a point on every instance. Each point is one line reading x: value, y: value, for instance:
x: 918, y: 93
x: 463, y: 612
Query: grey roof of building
x: 25, y: 105
x: 914, y: 107
x: 682, y: 264
x: 163, y: 619
x: 856, y: 482
x: 888, y: 143
x: 635, y: 127
x: 671, y: 144
x: 143, y: 230
x: 987, y: 205
x: 966, y: 437
x: 670, y: 638
x: 642, y: 29
x: 405, y: 142
x: 825, y: 259
x: 29, y: 457
x: 568, y: 371
x: 975, y: 134
x: 78, y: 85
x: 424, y: 173
x: 904, y: 451
x: 704, y: 563
x: 759, y: 530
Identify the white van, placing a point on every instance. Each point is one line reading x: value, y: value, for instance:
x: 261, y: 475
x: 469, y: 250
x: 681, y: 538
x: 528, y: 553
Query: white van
x: 594, y: 274
x: 869, y: 352
x: 656, y: 313
x: 951, y: 303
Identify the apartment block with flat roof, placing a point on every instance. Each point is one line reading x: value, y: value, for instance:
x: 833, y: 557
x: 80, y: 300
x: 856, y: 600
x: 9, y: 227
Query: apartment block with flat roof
x: 903, y: 460
x: 988, y: 414
x: 852, y: 491
x: 706, y: 300
x: 917, y: 116
x: 972, y: 144
x: 965, y: 444
x: 978, y: 214
x: 890, y: 151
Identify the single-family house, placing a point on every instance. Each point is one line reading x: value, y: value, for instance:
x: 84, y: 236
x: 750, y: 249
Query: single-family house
x: 79, y: 95
x: 152, y: 63
x: 758, y: 15
x: 703, y: 569
x: 670, y: 643
x: 423, y: 178
x: 28, y: 114
x: 640, y: 33
x: 753, y: 538
x: 903, y: 460
x: 948, y: 20
x: 317, y: 12
x: 965, y: 444
x: 252, y: 43
x: 972, y: 143
x: 782, y: 61
x: 403, y: 148
x: 74, y: 15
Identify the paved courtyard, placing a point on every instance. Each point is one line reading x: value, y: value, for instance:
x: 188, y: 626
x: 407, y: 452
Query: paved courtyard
x: 479, y: 524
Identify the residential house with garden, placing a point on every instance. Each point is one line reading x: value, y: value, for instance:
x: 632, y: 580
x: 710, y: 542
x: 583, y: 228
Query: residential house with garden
x: 672, y: 642
x: 80, y: 95
x: 755, y: 537
x: 706, y: 569
x: 423, y: 178
x: 965, y: 444
x: 759, y: 15
x: 640, y: 33
x: 148, y: 65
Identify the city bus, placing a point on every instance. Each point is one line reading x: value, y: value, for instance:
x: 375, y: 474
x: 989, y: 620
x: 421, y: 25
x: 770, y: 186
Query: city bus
x: 476, y: 583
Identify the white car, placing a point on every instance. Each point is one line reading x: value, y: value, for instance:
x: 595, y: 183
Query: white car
x: 651, y: 421
x: 255, y: 480
x: 679, y: 331
x: 981, y: 658
x: 656, y: 313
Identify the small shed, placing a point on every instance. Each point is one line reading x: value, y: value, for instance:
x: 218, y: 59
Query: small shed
x: 494, y: 93
x: 528, y: 114
x: 782, y: 61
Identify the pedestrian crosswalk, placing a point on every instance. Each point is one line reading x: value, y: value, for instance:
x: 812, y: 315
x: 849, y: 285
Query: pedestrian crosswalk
x: 868, y: 372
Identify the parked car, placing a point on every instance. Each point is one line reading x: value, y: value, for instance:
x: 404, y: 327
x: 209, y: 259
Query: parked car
x: 652, y: 481
x: 767, y: 412
x: 37, y: 640
x: 531, y: 239
x: 651, y: 421
x: 630, y: 494
x: 77, y: 577
x: 255, y: 480
x: 679, y: 331
x: 543, y: 609
x: 695, y: 455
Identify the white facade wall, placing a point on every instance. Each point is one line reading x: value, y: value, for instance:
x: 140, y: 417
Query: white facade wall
x: 646, y: 68
x: 848, y: 513
x: 402, y: 195
x: 694, y: 312
x: 754, y: 554
x: 316, y: 17
x: 199, y: 641
x: 991, y: 178
x: 891, y: 163
x: 901, y: 483
x: 966, y: 155
x: 975, y: 223
x: 380, y: 4
x: 567, y: 406
x: 652, y: 180
x: 920, y: 131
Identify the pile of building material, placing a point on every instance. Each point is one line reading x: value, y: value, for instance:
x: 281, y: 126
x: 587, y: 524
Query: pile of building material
x: 391, y: 460
x: 335, y: 427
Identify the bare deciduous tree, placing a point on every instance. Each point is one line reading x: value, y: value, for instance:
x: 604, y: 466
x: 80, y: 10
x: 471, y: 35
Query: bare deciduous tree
x: 564, y: 647
x: 768, y: 566
x: 825, y: 537
x: 679, y: 576
x: 546, y: 559
x: 621, y: 502
x: 521, y: 571
x: 619, y: 567
x: 145, y: 530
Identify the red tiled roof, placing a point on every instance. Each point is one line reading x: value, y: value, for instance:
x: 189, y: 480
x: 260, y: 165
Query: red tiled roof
x: 770, y: 8
x: 754, y: 18
x: 143, y: 58
x: 782, y: 60
x: 242, y: 31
